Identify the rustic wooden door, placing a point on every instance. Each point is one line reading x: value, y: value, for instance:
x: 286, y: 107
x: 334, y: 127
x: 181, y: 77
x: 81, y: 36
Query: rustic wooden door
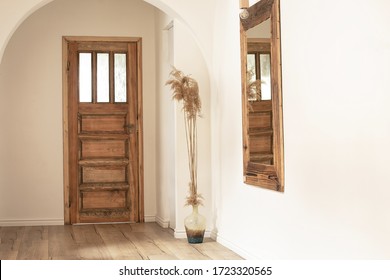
x: 104, y: 129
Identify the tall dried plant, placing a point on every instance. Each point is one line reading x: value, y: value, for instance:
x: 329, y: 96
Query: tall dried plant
x: 253, y: 86
x: 185, y: 89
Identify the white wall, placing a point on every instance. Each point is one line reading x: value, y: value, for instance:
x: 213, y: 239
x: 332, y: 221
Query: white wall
x: 336, y: 64
x: 197, y: 16
x: 31, y: 93
x: 188, y: 58
x: 336, y: 118
x: 172, y: 161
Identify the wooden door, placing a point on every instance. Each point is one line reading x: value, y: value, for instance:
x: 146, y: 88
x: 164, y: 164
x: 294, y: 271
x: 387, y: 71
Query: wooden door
x: 104, y: 131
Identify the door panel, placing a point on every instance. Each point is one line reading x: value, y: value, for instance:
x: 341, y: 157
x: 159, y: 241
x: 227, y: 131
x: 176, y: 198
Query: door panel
x: 102, y: 123
x: 103, y: 174
x: 104, y: 158
x: 103, y: 148
x: 103, y: 199
x: 260, y: 131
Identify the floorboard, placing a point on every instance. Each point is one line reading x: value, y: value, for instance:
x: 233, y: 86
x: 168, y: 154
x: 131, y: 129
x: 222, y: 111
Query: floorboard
x: 144, y: 241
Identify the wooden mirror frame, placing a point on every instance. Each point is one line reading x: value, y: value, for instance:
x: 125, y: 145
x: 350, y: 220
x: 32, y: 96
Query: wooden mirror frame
x: 264, y: 175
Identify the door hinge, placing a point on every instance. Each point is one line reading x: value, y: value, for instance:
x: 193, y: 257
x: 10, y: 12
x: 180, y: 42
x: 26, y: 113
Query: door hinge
x: 68, y: 66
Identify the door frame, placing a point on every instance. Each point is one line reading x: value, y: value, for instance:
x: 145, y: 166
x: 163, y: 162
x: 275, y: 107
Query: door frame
x: 65, y: 104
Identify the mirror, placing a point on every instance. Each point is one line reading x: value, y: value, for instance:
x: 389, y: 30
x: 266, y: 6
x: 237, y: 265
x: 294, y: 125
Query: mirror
x: 262, y: 96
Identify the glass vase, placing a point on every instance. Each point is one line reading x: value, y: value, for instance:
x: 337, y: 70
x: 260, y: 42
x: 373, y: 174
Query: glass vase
x: 195, y: 225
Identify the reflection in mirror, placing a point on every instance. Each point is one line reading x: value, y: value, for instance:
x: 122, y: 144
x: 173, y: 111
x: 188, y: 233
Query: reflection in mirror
x: 262, y: 96
x: 259, y: 93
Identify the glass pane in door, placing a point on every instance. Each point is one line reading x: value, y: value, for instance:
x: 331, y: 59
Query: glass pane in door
x: 103, y: 77
x: 85, y: 77
x: 265, y: 69
x: 120, y: 77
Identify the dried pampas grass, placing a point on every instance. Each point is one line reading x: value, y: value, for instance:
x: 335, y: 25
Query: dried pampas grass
x: 185, y: 89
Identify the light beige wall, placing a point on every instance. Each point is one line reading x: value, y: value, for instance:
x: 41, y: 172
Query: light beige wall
x: 31, y: 94
x: 165, y: 125
x: 12, y: 14
x: 262, y: 30
x: 3, y: 143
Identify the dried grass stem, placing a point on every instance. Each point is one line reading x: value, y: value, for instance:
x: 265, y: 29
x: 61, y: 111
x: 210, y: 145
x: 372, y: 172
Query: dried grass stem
x: 185, y: 89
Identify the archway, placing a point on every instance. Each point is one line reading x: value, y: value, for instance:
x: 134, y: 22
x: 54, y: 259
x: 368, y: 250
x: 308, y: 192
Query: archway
x: 42, y: 174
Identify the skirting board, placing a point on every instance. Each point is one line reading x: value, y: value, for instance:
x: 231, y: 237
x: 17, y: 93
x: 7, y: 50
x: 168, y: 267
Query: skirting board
x: 149, y: 219
x: 49, y: 222
x: 35, y: 222
x: 235, y: 248
x: 161, y: 222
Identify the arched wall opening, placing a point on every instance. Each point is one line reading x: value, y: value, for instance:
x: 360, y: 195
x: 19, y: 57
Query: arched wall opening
x: 31, y: 107
x: 21, y: 11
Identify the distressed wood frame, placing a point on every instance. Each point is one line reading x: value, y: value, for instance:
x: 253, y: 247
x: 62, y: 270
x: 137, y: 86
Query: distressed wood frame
x: 263, y: 175
x: 65, y: 115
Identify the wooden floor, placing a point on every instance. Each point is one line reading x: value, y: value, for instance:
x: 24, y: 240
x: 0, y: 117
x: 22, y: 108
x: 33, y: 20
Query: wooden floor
x: 145, y: 241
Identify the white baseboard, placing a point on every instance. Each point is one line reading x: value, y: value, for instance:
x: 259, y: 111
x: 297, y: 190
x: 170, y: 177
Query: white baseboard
x: 235, y: 248
x: 32, y: 222
x: 149, y: 219
x: 214, y: 235
x: 179, y: 233
x: 59, y: 222
x: 161, y: 222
